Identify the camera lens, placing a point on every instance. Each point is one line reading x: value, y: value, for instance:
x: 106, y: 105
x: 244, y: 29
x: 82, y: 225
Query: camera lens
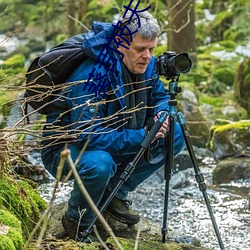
x: 182, y: 63
x: 171, y: 64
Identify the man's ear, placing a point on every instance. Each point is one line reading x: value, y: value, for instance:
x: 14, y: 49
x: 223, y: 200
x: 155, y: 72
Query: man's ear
x: 118, y: 40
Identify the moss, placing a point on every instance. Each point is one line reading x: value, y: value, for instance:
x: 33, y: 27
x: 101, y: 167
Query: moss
x: 225, y: 75
x: 13, y: 71
x: 13, y: 239
x: 9, y: 219
x: 220, y: 24
x: 16, y: 61
x: 236, y: 125
x: 128, y: 244
x: 6, y: 243
x: 221, y: 132
x: 22, y: 200
x: 228, y: 45
x: 219, y: 102
x: 16, y: 237
x: 214, y: 101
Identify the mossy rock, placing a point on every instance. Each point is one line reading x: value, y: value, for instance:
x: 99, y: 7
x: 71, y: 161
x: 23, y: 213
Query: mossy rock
x: 10, y: 231
x: 21, y: 199
x: 232, y: 139
x: 219, y: 107
x: 150, y: 235
x: 128, y: 244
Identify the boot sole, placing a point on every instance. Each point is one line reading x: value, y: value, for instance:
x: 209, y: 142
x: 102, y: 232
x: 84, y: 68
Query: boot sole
x: 121, y: 219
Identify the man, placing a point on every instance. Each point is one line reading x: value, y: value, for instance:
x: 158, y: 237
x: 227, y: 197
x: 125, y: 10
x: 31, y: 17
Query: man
x: 110, y: 124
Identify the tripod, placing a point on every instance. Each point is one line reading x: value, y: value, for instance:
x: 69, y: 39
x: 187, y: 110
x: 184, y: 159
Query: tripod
x: 173, y: 90
x: 169, y: 163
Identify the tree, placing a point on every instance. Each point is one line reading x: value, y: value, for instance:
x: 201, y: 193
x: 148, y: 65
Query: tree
x: 76, y: 11
x: 181, y: 26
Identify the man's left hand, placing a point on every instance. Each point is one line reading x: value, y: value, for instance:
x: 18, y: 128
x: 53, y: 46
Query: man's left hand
x: 164, y: 128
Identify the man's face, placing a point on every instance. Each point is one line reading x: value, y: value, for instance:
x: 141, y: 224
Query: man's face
x: 139, y: 54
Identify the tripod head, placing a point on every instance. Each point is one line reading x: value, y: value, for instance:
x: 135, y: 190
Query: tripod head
x: 174, y: 89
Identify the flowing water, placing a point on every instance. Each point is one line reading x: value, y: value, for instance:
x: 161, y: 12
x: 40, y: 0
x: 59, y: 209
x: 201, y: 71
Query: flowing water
x: 187, y: 212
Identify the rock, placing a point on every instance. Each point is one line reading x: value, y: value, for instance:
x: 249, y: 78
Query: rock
x: 181, y: 179
x: 231, y: 169
x: 227, y: 110
x: 149, y: 238
x: 188, y: 95
x: 229, y: 140
x: 197, y: 125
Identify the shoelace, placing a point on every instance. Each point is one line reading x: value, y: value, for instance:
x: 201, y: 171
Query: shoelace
x: 127, y: 203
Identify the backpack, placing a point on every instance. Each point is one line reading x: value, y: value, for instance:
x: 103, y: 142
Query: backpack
x: 47, y: 73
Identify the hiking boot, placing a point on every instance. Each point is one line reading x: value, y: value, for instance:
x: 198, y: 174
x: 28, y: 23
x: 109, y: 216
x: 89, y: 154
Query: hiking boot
x: 75, y: 231
x: 121, y: 211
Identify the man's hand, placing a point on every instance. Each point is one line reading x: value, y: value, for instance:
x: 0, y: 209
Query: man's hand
x: 164, y: 128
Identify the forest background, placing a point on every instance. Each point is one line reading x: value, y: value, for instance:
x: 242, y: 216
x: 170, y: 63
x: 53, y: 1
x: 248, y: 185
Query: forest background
x: 214, y: 33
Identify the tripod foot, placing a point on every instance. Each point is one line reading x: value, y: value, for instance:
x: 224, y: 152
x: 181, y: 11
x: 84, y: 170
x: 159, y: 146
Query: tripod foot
x: 164, y: 232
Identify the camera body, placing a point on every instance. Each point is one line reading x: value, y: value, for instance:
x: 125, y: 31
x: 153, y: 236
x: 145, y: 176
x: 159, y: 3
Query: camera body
x: 171, y: 65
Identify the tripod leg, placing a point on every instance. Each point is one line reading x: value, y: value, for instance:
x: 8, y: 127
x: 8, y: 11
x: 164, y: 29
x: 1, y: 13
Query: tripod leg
x: 199, y: 177
x: 168, y: 173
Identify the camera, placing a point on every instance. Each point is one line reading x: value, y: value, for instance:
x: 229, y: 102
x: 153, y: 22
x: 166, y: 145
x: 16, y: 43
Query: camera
x: 171, y: 65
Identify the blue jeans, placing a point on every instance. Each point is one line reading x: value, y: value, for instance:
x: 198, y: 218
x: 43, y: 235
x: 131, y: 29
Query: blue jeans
x: 100, y: 170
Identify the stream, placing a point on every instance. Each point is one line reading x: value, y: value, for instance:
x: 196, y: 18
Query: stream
x: 187, y: 212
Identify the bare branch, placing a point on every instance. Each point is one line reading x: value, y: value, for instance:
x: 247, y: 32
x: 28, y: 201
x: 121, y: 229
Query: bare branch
x: 79, y: 22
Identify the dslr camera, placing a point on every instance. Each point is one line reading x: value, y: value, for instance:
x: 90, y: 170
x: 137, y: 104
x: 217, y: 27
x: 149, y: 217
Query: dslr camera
x: 171, y: 65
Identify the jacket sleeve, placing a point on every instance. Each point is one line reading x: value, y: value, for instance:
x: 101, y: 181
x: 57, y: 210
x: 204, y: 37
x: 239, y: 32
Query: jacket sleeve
x: 88, y: 121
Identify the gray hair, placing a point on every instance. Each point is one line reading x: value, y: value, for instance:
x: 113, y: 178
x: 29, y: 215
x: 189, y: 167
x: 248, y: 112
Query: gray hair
x: 149, y: 28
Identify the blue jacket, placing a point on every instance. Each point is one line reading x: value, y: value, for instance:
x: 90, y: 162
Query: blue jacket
x: 105, y: 132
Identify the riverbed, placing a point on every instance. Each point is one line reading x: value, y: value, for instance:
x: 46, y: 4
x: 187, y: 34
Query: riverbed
x: 187, y: 212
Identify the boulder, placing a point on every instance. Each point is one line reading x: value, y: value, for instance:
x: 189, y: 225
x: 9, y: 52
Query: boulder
x: 230, y: 140
x: 150, y: 235
x: 231, y: 169
x: 197, y: 125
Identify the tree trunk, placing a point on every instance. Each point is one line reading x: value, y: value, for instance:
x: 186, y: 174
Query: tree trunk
x: 83, y: 7
x: 72, y: 13
x: 181, y: 27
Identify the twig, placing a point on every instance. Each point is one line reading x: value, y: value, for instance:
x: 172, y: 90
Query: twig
x: 137, y: 236
x: 99, y: 238
x: 77, y: 21
x: 66, y: 154
x: 45, y: 217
